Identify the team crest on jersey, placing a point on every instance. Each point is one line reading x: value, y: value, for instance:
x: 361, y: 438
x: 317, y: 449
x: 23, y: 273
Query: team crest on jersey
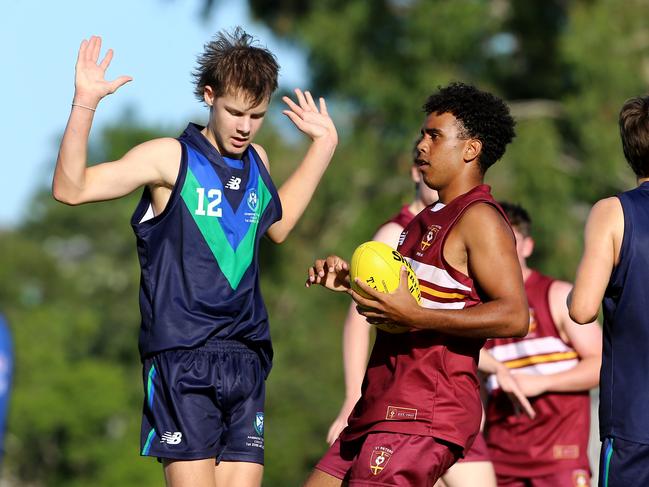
x: 259, y: 423
x: 430, y: 235
x: 379, y: 459
x: 580, y: 478
x: 252, y: 200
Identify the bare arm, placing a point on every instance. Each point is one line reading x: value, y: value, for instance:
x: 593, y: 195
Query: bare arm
x: 506, y: 380
x: 587, y: 342
x: 493, y: 265
x: 602, y: 242
x: 356, y: 344
x: 73, y: 181
x: 298, y: 189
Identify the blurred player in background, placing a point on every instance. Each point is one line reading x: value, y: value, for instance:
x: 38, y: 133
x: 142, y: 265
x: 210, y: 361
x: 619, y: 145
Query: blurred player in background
x: 615, y: 269
x: 555, y: 365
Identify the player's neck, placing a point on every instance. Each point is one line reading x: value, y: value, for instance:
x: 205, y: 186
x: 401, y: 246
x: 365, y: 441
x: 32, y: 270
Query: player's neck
x: 527, y: 272
x: 642, y: 180
x: 457, y: 187
x: 209, y: 135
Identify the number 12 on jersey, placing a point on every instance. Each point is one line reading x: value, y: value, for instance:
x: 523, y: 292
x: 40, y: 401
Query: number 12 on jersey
x: 214, y: 196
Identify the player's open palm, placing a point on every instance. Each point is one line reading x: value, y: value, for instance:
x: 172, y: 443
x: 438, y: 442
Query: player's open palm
x: 312, y: 119
x: 90, y: 81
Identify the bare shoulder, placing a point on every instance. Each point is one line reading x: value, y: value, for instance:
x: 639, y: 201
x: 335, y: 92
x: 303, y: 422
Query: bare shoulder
x: 162, y: 156
x: 262, y: 155
x: 483, y: 217
x: 607, y: 209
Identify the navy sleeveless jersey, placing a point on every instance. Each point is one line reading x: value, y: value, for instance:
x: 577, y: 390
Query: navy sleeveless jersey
x: 624, y: 379
x: 199, y: 257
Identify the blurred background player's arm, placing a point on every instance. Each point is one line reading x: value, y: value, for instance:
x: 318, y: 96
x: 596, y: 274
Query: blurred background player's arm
x: 586, y: 341
x: 356, y: 344
x: 506, y: 381
x: 602, y: 242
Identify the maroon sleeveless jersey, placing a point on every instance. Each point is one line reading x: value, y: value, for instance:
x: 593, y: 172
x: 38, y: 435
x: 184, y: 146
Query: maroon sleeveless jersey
x: 423, y: 382
x: 557, y: 438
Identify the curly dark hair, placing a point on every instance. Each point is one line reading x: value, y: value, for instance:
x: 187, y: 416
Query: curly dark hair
x: 231, y: 63
x: 481, y: 115
x: 518, y: 217
x: 634, y: 131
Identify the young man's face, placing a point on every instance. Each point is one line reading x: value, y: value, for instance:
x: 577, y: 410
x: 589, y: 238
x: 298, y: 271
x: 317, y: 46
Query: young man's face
x: 441, y: 150
x: 234, y: 122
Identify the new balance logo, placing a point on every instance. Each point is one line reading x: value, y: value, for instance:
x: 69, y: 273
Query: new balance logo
x: 233, y: 183
x: 171, y: 438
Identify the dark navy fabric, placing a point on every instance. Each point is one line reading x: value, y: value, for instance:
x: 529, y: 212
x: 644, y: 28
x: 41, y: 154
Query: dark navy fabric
x: 204, y: 403
x: 623, y: 463
x: 624, y: 379
x: 6, y: 373
x: 186, y: 296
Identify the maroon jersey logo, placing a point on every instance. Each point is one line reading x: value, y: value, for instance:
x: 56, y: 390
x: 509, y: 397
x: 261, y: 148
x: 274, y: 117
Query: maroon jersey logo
x: 429, y: 237
x: 396, y: 413
x: 379, y: 459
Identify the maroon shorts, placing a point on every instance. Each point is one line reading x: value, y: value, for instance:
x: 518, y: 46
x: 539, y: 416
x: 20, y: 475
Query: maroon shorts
x: 478, y: 451
x: 565, y: 478
x: 389, y: 459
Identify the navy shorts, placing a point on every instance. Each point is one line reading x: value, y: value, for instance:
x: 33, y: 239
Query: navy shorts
x: 206, y: 402
x: 623, y: 463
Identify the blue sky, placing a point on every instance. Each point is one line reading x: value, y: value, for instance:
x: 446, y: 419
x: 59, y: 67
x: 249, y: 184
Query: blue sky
x: 155, y: 42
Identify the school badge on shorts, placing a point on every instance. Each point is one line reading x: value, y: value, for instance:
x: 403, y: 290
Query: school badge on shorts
x: 379, y: 459
x: 580, y: 478
x: 259, y: 424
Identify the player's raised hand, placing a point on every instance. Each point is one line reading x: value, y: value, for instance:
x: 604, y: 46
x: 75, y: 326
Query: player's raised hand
x: 332, y: 273
x: 90, y: 81
x: 310, y: 118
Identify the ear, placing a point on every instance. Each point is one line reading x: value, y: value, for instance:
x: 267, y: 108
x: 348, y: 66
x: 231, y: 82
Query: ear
x: 415, y: 175
x: 528, y: 247
x: 472, y: 149
x: 208, y: 95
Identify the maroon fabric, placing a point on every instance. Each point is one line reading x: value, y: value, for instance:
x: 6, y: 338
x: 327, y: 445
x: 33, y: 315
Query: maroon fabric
x: 478, y: 451
x: 562, y: 478
x: 422, y: 382
x: 557, y: 439
x: 389, y: 459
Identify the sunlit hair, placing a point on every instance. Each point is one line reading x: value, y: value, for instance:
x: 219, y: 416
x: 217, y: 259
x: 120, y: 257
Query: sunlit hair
x: 481, y: 116
x: 634, y: 131
x: 231, y: 64
x: 518, y: 217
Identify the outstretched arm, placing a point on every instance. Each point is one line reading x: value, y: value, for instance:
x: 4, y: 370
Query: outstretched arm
x: 73, y: 182
x: 493, y: 265
x: 602, y: 242
x: 298, y: 189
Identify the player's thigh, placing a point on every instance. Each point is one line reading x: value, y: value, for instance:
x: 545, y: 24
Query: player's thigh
x: 189, y: 473
x: 318, y: 478
x: 241, y: 474
x: 464, y: 474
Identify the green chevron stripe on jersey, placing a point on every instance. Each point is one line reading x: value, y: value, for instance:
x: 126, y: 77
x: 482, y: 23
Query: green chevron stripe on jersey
x: 232, y: 263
